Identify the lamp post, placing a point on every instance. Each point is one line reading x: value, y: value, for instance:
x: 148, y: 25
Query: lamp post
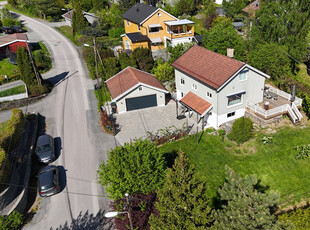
x: 114, y: 214
x: 96, y: 64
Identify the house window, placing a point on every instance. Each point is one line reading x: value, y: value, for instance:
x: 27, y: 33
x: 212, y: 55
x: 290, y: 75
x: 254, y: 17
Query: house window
x: 209, y: 94
x: 140, y: 88
x: 234, y: 99
x: 128, y: 22
x: 194, y: 87
x: 243, y: 76
x: 182, y: 94
x: 182, y: 81
x: 154, y: 29
x: 138, y: 27
x: 127, y: 45
x: 159, y: 14
x: 231, y: 114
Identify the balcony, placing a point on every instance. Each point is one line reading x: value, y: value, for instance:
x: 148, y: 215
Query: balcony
x: 276, y: 103
x: 180, y: 28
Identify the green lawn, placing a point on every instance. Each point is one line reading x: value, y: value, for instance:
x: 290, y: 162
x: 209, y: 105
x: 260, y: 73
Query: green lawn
x: 17, y: 90
x: 199, y: 28
x: 274, y: 164
x: 7, y: 68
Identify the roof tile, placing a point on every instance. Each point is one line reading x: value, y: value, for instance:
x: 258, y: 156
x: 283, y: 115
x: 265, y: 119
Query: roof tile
x: 211, y: 68
x: 5, y: 40
x: 128, y: 78
x: 196, y: 103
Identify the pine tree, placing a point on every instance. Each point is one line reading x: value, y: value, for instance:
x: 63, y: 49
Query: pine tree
x: 182, y: 203
x: 78, y: 21
x: 244, y: 206
x: 25, y: 67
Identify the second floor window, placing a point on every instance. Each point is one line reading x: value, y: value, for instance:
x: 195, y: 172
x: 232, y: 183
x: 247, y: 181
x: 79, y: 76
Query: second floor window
x: 234, y: 99
x: 182, y: 81
x: 209, y: 94
x: 154, y: 29
x: 243, y: 76
x: 194, y: 86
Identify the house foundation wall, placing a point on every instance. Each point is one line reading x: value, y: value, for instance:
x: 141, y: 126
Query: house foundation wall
x: 262, y: 122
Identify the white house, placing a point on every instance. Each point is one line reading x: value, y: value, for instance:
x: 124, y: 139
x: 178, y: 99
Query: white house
x: 215, y: 86
x: 133, y: 89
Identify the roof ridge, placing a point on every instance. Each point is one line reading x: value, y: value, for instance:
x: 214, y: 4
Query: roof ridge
x: 133, y: 73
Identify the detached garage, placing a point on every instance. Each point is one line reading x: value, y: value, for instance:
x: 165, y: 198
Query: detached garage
x: 133, y: 89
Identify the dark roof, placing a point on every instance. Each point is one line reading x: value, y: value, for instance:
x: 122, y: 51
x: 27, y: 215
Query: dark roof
x: 211, y: 68
x: 128, y: 78
x: 137, y: 37
x: 139, y: 12
x: 196, y: 103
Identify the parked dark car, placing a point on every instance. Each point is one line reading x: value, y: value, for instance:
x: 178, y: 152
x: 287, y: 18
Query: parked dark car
x: 17, y: 29
x: 48, y: 181
x: 7, y: 30
x: 45, y: 149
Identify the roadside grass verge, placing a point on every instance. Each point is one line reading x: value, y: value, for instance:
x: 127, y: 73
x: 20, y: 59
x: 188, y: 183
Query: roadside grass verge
x: 68, y: 32
x: 29, y: 14
x: 13, y: 91
x: 274, y: 164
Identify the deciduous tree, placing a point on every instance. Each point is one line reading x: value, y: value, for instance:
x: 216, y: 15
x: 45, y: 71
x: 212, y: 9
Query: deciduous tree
x: 182, y: 202
x: 163, y: 71
x: 135, y: 167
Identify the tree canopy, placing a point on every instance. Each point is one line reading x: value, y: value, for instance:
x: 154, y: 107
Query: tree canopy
x: 244, y: 206
x: 182, y: 202
x: 144, y: 58
x: 134, y: 167
x: 222, y: 36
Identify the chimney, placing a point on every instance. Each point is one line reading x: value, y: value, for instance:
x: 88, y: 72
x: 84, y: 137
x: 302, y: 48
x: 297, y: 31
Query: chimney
x: 230, y: 52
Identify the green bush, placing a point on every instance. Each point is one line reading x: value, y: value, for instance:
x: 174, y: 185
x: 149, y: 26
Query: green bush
x: 116, y: 32
x: 11, y: 222
x: 43, y: 60
x: 10, y: 22
x: 36, y: 90
x: 242, y: 130
x: 300, y: 218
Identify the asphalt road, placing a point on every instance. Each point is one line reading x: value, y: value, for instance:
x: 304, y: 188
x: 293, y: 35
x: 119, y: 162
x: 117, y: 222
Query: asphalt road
x: 70, y: 113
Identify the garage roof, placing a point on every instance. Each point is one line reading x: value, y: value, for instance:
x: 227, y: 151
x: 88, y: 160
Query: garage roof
x: 196, y: 103
x: 130, y: 78
x: 6, y: 40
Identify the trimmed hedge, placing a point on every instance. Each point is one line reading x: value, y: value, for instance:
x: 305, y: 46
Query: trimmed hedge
x: 242, y: 130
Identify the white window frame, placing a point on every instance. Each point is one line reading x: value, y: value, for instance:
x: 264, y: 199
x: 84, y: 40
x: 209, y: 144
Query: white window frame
x: 239, y: 103
x: 243, y: 76
x: 194, y: 86
x: 182, y: 81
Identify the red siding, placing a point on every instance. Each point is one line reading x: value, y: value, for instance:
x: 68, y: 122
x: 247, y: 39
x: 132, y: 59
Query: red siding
x: 13, y: 47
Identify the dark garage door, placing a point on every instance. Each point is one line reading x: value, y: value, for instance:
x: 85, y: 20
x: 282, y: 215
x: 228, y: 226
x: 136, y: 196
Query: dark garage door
x: 141, y: 102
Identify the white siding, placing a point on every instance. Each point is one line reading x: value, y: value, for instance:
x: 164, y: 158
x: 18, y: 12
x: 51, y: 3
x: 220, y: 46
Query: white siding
x: 160, y: 96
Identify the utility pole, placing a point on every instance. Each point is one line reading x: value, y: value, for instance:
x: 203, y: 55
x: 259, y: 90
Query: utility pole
x: 33, y: 65
x: 129, y: 210
x: 95, y: 53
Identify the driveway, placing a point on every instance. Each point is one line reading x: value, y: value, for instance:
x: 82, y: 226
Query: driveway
x: 136, y: 124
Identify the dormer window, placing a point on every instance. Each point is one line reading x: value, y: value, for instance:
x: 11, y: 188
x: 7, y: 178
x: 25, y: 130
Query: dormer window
x: 159, y: 14
x: 128, y: 22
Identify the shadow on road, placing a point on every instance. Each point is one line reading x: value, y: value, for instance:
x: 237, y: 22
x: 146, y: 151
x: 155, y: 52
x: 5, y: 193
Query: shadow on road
x: 62, y: 177
x: 87, y: 221
x: 57, y: 147
x: 58, y: 78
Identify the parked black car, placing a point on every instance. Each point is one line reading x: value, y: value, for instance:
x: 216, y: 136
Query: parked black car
x: 7, y: 30
x: 17, y: 29
x: 45, y: 149
x: 48, y: 181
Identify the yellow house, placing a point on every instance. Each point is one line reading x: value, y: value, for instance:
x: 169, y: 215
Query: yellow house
x: 148, y: 26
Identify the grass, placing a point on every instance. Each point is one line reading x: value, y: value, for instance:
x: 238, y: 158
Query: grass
x: 199, y: 28
x: 13, y: 91
x: 7, y: 68
x: 67, y: 31
x: 274, y: 164
x: 20, y: 11
x: 302, y: 75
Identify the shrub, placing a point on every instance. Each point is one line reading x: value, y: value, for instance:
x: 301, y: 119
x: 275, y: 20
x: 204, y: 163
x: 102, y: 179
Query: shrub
x: 36, y: 90
x: 42, y: 60
x: 300, y: 218
x: 12, y: 222
x: 116, y: 32
x: 135, y: 167
x: 10, y: 22
x: 125, y: 61
x: 242, y: 130
x: 144, y: 58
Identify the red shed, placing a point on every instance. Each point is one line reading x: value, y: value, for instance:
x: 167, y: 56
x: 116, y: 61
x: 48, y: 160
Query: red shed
x: 12, y: 42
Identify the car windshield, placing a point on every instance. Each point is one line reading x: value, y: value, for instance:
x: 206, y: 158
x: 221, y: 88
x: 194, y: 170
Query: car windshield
x: 44, y: 148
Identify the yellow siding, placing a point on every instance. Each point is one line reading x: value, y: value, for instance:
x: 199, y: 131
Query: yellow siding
x: 131, y: 28
x: 163, y: 32
x: 144, y: 44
